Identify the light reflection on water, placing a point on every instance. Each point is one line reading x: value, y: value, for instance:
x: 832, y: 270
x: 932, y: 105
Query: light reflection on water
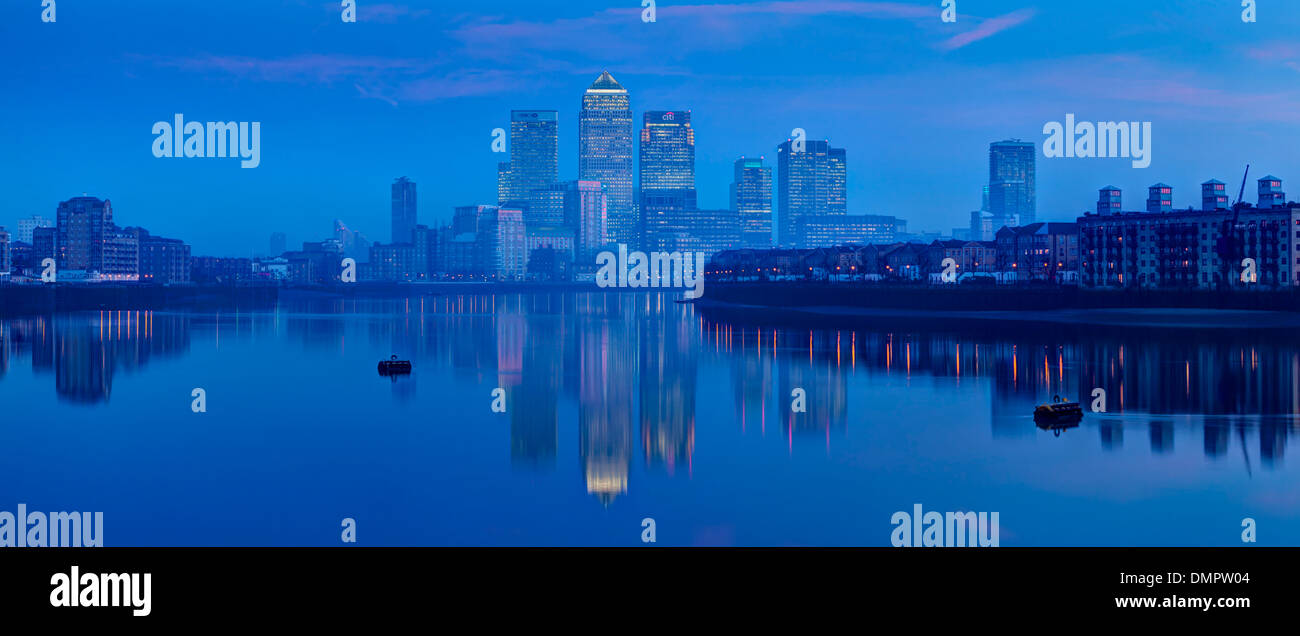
x: 623, y: 406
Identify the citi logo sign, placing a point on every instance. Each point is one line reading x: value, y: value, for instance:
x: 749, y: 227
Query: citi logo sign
x: 670, y: 116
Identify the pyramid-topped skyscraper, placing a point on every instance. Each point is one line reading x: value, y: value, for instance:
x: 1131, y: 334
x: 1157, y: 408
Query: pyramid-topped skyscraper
x: 605, y: 153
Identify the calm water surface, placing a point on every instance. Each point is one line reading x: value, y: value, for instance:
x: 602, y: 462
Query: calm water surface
x: 626, y: 406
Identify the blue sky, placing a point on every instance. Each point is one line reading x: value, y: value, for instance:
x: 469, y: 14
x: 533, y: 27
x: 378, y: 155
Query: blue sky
x: 415, y: 88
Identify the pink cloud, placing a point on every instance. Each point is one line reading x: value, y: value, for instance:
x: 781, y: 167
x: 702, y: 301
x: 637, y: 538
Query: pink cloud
x: 689, y: 27
x: 988, y: 28
x: 1287, y: 53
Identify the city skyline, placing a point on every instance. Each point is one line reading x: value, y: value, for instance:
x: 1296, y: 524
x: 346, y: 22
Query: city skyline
x: 382, y: 105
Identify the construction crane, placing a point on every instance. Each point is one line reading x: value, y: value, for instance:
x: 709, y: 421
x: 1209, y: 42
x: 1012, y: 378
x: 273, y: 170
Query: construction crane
x: 1227, y: 246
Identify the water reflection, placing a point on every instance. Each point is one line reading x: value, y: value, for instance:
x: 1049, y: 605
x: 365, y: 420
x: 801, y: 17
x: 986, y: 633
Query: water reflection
x: 83, y: 352
x: 628, y: 374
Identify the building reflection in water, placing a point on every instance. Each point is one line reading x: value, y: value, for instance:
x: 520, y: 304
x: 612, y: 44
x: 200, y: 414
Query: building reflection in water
x: 85, y: 351
x: 627, y: 372
x: 1227, y: 380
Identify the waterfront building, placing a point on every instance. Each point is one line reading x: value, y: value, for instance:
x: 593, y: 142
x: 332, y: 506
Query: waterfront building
x: 751, y: 201
x: 811, y: 181
x: 392, y: 262
x: 316, y: 263
x: 82, y: 225
x: 120, y: 258
x: 1191, y: 249
x: 1039, y: 252
x: 605, y: 139
x: 970, y: 256
x: 221, y: 269
x: 161, y: 261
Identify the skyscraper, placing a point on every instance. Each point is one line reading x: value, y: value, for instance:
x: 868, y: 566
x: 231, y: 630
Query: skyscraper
x: 667, y: 151
x: 403, y: 210
x: 811, y: 180
x: 534, y: 155
x: 1011, y: 182
x: 666, y: 174
x: 605, y: 152
x: 751, y: 202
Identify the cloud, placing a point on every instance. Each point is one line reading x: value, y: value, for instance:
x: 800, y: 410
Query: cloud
x: 322, y: 68
x: 620, y: 34
x: 988, y: 28
x: 1285, y: 53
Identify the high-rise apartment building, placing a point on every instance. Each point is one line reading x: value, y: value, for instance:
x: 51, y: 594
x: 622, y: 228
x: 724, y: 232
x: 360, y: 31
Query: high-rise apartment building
x: 81, y: 228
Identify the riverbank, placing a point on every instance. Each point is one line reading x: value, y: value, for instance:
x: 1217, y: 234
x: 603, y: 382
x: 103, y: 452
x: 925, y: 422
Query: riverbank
x: 831, y: 306
x: 992, y: 298
x: 26, y: 300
